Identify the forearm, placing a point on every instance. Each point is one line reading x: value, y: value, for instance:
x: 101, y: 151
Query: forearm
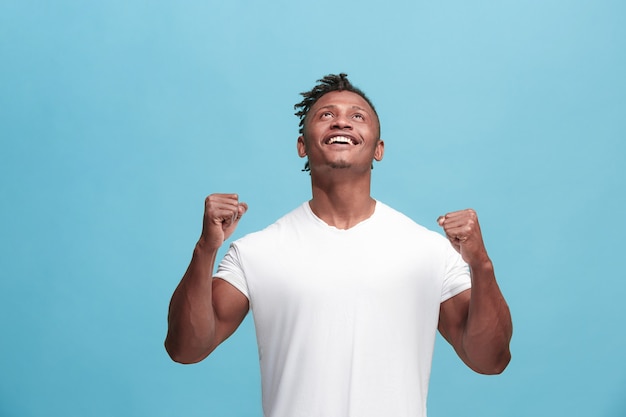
x: 489, y: 328
x: 191, y: 318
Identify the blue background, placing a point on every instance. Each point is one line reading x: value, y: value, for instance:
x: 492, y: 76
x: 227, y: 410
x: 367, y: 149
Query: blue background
x: 117, y: 118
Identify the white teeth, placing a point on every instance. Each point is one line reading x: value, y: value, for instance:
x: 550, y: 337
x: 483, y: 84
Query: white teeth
x: 340, y: 139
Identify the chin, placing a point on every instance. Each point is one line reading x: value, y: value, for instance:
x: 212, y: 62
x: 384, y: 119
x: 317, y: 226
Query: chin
x: 340, y: 165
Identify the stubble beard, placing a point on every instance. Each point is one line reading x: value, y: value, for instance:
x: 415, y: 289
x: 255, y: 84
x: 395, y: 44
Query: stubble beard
x: 340, y: 165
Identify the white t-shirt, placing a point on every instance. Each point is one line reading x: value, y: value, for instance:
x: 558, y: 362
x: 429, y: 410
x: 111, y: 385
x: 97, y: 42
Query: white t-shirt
x: 345, y: 319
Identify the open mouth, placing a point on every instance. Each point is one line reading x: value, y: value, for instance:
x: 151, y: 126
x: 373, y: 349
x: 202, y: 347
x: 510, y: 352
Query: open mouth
x: 342, y: 140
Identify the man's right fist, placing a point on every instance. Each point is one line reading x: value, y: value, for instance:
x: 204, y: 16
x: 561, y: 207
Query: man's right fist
x: 221, y: 216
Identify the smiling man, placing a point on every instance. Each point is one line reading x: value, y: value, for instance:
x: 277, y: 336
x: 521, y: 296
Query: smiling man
x: 346, y: 293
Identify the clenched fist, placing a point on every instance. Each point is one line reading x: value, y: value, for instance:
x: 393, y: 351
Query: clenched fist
x: 222, y: 213
x: 463, y: 232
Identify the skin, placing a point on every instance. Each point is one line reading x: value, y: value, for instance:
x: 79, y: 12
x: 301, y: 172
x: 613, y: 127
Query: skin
x: 476, y: 322
x: 204, y: 311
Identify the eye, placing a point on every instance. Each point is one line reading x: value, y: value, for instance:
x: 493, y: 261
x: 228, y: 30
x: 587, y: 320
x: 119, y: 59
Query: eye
x: 358, y: 116
x: 326, y: 115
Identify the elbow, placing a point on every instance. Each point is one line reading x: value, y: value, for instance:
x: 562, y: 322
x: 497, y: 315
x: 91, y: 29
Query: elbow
x: 497, y: 366
x: 491, y: 357
x: 496, y: 370
x: 179, y: 355
x: 183, y: 360
x: 504, y: 363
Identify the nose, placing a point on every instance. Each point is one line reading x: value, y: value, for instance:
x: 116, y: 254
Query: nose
x: 342, y: 122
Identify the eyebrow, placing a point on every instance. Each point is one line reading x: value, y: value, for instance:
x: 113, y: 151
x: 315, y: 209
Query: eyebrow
x: 333, y: 106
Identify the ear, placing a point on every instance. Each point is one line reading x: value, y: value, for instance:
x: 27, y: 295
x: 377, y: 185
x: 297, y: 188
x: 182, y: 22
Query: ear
x: 379, y: 151
x: 301, y: 147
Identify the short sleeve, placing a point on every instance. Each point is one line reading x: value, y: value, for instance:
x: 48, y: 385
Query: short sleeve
x: 231, y: 271
x: 457, y: 275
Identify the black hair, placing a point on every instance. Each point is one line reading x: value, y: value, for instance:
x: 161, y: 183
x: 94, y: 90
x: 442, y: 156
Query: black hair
x: 331, y: 82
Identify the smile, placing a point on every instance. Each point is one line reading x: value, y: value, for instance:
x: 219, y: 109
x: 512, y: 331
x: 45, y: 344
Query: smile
x: 340, y: 139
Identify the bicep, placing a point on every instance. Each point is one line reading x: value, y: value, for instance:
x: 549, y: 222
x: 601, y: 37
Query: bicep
x: 453, y: 318
x: 230, y: 306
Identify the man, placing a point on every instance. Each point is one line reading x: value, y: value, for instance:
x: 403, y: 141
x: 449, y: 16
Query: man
x: 346, y: 293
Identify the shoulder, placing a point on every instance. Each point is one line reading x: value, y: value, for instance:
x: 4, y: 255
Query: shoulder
x: 400, y: 222
x: 395, y: 226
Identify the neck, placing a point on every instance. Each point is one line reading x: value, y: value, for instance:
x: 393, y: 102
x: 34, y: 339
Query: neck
x: 342, y: 202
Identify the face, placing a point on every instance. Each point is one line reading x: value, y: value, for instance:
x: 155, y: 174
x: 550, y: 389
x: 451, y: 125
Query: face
x: 341, y: 131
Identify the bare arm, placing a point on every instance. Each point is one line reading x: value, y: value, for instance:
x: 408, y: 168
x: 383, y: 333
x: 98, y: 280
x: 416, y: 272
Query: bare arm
x: 477, y: 322
x: 205, y: 311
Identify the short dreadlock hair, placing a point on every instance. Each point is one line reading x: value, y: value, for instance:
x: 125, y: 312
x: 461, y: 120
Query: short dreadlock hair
x: 330, y: 82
